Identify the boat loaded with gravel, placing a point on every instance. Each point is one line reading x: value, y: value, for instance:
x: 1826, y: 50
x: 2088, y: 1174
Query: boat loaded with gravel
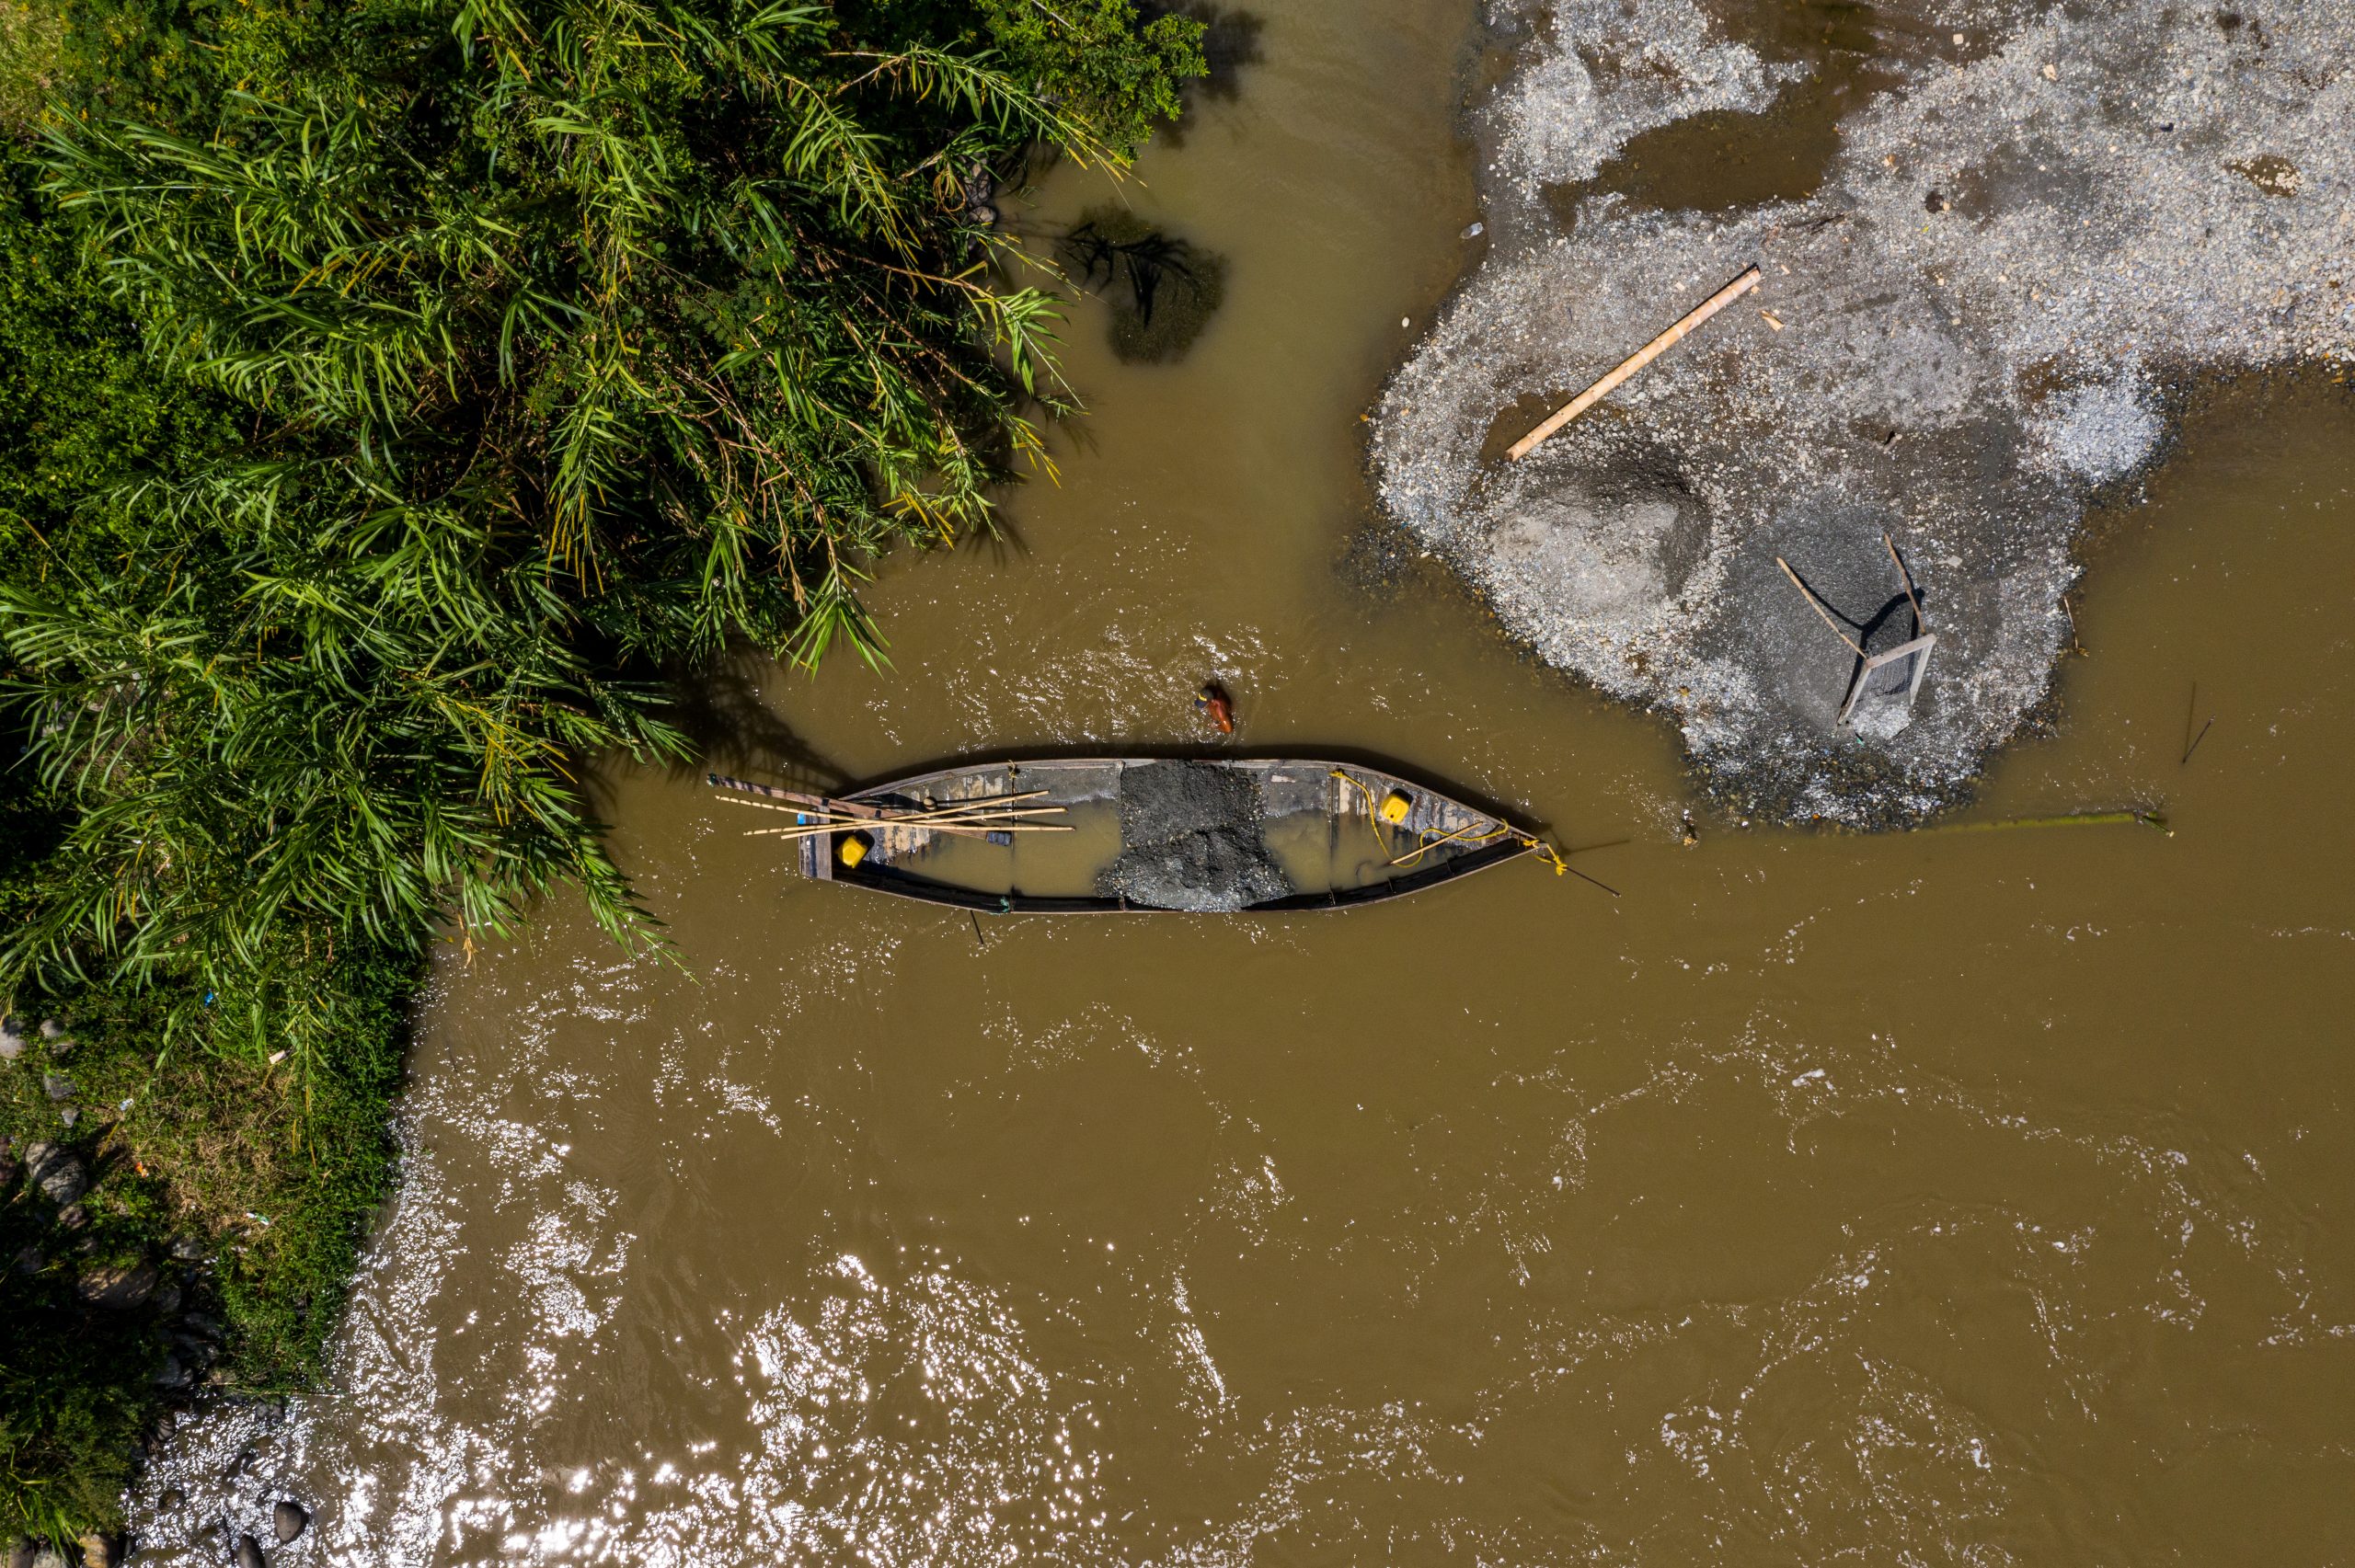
x: 1109, y: 835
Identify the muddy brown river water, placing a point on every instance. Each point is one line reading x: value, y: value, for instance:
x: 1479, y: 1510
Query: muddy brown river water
x: 1958, y: 1196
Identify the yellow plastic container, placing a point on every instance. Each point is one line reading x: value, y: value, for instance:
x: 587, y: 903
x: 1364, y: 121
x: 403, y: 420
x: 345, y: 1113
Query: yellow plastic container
x: 1395, y: 807
x: 854, y: 850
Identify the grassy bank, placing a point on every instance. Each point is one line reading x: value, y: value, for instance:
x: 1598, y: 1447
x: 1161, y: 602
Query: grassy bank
x: 213, y: 1200
x: 389, y: 391
x: 222, y: 1205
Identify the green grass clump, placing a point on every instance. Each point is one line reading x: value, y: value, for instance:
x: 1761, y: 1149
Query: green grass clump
x: 247, y: 1189
x: 32, y: 52
x: 247, y: 1193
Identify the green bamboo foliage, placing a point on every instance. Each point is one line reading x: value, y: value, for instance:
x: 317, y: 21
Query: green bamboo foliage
x: 575, y: 336
x: 696, y: 281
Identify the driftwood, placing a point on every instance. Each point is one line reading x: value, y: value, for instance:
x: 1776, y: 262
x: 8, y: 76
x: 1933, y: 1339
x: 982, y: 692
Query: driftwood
x: 1634, y: 362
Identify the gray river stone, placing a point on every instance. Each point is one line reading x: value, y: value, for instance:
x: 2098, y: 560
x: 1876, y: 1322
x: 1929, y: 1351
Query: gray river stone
x: 2024, y: 244
x: 117, y: 1287
x: 1191, y: 840
x: 60, y: 1177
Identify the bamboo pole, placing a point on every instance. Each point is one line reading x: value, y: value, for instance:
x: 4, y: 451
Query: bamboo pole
x: 968, y: 804
x: 1817, y: 607
x: 979, y: 831
x: 969, y: 815
x: 2074, y: 819
x: 849, y: 810
x: 819, y: 829
x: 843, y: 814
x: 813, y: 811
x: 1634, y: 362
x: 1898, y: 561
x: 960, y: 824
x: 972, y: 807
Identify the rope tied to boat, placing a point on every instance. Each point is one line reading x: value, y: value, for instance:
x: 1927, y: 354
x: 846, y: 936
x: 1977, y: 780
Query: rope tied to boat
x: 1372, y: 815
x: 1425, y: 843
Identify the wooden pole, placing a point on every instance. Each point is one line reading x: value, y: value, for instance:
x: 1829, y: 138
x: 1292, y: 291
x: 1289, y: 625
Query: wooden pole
x: 820, y: 830
x: 968, y: 808
x: 2074, y: 819
x: 1634, y: 362
x: 845, y: 813
x: 1817, y: 607
x: 1898, y: 562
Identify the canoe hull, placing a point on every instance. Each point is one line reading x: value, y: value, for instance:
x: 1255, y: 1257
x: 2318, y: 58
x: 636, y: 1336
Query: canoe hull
x: 902, y: 886
x: 1436, y: 839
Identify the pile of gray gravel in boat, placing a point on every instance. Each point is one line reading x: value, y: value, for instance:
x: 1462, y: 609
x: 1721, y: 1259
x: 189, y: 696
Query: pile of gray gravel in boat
x: 2037, y: 223
x: 1191, y: 840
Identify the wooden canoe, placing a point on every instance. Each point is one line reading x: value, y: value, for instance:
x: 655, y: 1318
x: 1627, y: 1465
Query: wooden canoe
x: 1061, y: 836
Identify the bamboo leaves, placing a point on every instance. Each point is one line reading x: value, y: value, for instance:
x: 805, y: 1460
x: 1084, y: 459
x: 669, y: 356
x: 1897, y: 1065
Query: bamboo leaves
x: 615, y: 333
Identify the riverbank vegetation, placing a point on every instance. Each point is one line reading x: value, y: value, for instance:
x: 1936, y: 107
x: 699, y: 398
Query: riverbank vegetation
x: 392, y: 393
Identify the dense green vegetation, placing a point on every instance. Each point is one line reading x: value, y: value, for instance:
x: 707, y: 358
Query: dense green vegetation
x: 390, y: 392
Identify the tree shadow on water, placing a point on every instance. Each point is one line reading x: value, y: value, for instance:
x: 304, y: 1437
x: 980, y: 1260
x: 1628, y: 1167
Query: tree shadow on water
x: 1230, y: 43
x: 1162, y: 290
x: 720, y: 708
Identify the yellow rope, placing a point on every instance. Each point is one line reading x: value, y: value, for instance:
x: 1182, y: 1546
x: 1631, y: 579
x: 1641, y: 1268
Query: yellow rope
x: 1372, y: 817
x: 1429, y: 843
x: 1537, y: 846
